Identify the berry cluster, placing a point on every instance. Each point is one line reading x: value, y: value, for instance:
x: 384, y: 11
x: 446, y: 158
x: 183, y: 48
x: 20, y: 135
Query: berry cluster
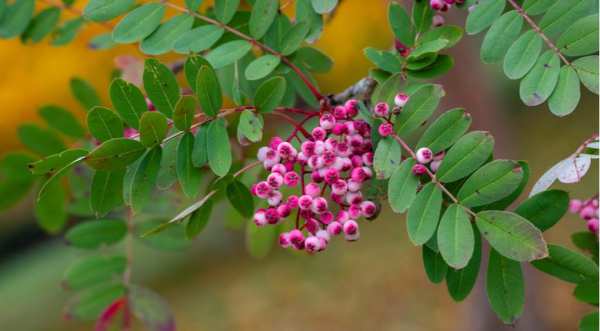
x: 588, y: 210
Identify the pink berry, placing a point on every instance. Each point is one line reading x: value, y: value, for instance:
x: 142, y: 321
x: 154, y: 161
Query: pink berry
x: 419, y: 170
x: 327, y: 121
x: 284, y: 211
x: 316, y: 177
x: 382, y: 109
x: 319, y: 205
x: 337, y: 198
x: 323, y: 234
x: 284, y: 149
x: 368, y: 208
x: 296, y: 237
x: 263, y: 189
x: 354, y: 211
x: 575, y: 206
x: 262, y: 153
x: 335, y: 228
x: 327, y: 217
x: 439, y: 156
x: 312, y: 244
x: 332, y: 176
x: 308, y: 148
x: 367, y: 158
x: 279, y: 168
x: 292, y: 201
x: 284, y: 239
x: 338, y: 129
x: 274, y: 142
x: 342, y: 216
x: 349, y: 127
x: 312, y: 225
x: 353, y: 198
x: 587, y: 212
x: 350, y: 227
x: 386, y: 129
x: 424, y: 155
x: 275, y: 180
x: 329, y: 158
x: 291, y: 179
x: 305, y: 202
x: 312, y: 189
x: 339, y: 112
x: 401, y: 98
x: 593, y: 225
x: 319, y: 133
x: 272, y: 216
x: 438, y: 21
x: 274, y: 198
x: 259, y: 217
x: 352, y: 107
x: 352, y: 237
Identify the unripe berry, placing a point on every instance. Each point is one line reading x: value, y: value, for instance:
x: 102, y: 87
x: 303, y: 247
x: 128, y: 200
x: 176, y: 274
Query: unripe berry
x: 419, y: 170
x: 368, y: 208
x: 339, y: 112
x: 279, y: 168
x: 262, y: 153
x: 323, y: 234
x: 367, y: 158
x: 353, y: 197
x: 350, y: 227
x: 284, y: 240
x: 312, y: 244
x: 260, y: 218
x: 424, y: 155
x: 382, y: 109
x: 335, y: 228
x: 305, y: 202
x: 386, y: 129
x: 327, y: 121
x: 401, y: 98
x: 349, y: 127
x: 275, y: 180
x: 342, y: 216
x: 575, y: 206
x: 319, y: 147
x: 316, y: 177
x: 352, y: 107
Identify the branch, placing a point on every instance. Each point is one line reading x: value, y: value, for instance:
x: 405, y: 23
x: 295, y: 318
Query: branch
x: 361, y: 91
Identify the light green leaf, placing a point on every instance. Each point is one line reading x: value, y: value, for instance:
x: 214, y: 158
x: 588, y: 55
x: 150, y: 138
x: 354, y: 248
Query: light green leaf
x: 144, y: 178
x: 139, y: 23
x: 566, y: 95
x: 262, y: 67
x: 16, y: 18
x: 536, y: 7
x: 66, y: 32
x: 424, y: 49
x: 419, y: 108
x: 251, y: 125
x: 228, y: 53
x: 167, y: 173
x: 402, y: 187
x: 539, y: 83
x: 62, y: 120
x: 85, y: 93
x: 568, y: 265
x: 466, y: 156
x: 490, y: 183
x: 422, y: 15
x: 387, y: 158
x: 129, y: 102
x: 424, y: 213
x: 161, y: 86
x: 455, y: 237
x: 105, y: 10
x: 191, y: 68
x: 501, y: 35
x: 306, y: 12
x: 484, y: 14
x: 263, y: 14
x: 269, y: 95
x: 505, y: 287
x: 94, y: 234
x: 50, y: 185
x: 104, y: 124
x: 313, y: 59
x: 218, y: 148
x: 384, y: 60
x: 587, y: 69
x: 446, y: 130
x: 93, y: 270
x: 508, y: 200
x: 161, y: 41
x: 106, y: 192
x: 41, y: 25
x: 401, y: 24
x: 208, y: 91
x: 189, y: 176
x: 198, y: 220
x: 460, y: 282
x: 512, y: 235
x: 544, y: 209
x: 581, y: 38
x: 562, y: 14
x: 56, y: 161
x: 294, y: 37
x: 435, y: 267
x: 102, y: 42
x: 40, y: 140
x: 240, y: 198
x: 522, y: 55
x: 324, y: 6
x: 184, y: 112
x: 115, y: 154
x: 225, y: 9
x: 193, y: 5
x: 451, y: 33
x: 198, y: 39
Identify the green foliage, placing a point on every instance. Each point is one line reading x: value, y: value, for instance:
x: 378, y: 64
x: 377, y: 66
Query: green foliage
x: 139, y: 23
x: 240, y: 198
x: 387, y: 159
x: 56, y: 161
x: 491, y: 183
x: 161, y: 86
x: 403, y: 183
x: 90, y: 304
x: 424, y: 213
x: 419, y: 108
x: 129, y: 102
x: 263, y: 14
x: 262, y: 67
x: 228, y: 53
x: 446, y: 130
x: 455, y: 237
x: 505, y: 287
x: 568, y: 265
x: 153, y: 129
x: 218, y: 148
x: 94, y: 234
x: 103, y: 124
x: 93, y: 270
x: 115, y: 154
x: 269, y: 95
x: 198, y: 219
x: 105, y: 10
x: 208, y: 91
x: 105, y: 191
x: 143, y: 179
x: 435, y: 267
x: 466, y: 156
x: 161, y: 41
x: 40, y: 140
x: 460, y: 282
x: 85, y: 93
x: 190, y: 177
x: 544, y: 209
x: 198, y: 39
x: 401, y: 25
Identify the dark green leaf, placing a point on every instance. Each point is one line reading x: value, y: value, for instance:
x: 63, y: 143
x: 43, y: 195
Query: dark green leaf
x: 144, y: 178
x: 324, y: 6
x: 545, y: 208
x: 294, y: 37
x: 581, y: 38
x: 189, y: 176
x: 67, y: 32
x: 240, y: 198
x: 171, y: 238
x: 191, y: 68
x: 460, y: 282
x: 16, y: 18
x: 466, y: 156
x: 401, y: 24
x: 167, y: 173
x: 587, y: 293
x: 153, y: 128
x: 451, y: 33
x: 419, y: 108
x: 269, y: 95
x: 589, y: 322
x: 198, y: 219
x: 435, y: 267
x: 507, y: 201
x: 384, y: 60
x: 505, y: 287
x: 442, y: 64
x: 106, y: 192
x: 200, y: 154
x: 93, y: 270
x: 89, y: 305
x: 388, y: 91
x: 402, y: 188
x: 536, y: 7
x: 314, y: 60
x: 105, y: 10
x: 198, y: 39
x: 422, y: 14
x: 251, y: 125
x: 446, y: 130
x: 208, y: 91
x: 94, y: 234
x: 306, y: 12
x: 424, y: 49
x: 161, y: 41
x: 193, y: 5
x: 102, y: 42
x: 42, y: 24
x: 568, y: 265
x: 104, y: 124
x: 218, y: 148
x: 184, y: 112
x: 150, y: 309
x: 161, y: 86
x: 56, y: 161
x: 522, y: 55
x: 225, y: 9
x: 387, y: 158
x: 115, y: 154
x: 129, y: 102
x: 424, y: 213
x: 455, y: 237
x: 539, y: 83
x: 501, y: 35
x: 139, y: 23
x: 50, y: 209
x: 263, y: 14
x: 62, y: 120
x: 566, y: 95
x: 490, y: 183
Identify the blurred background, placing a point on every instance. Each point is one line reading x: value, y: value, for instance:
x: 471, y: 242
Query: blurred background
x: 377, y: 283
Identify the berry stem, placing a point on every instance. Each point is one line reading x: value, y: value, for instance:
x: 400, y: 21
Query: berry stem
x: 579, y: 150
x: 254, y: 42
x: 430, y: 174
x: 296, y: 124
x: 537, y: 29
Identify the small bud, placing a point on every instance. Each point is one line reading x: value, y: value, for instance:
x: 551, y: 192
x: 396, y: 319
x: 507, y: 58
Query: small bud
x: 419, y: 170
x: 424, y: 155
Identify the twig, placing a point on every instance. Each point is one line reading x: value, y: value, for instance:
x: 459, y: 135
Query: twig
x: 361, y: 91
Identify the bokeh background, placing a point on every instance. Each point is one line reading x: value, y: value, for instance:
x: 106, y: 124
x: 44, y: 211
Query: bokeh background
x: 377, y: 283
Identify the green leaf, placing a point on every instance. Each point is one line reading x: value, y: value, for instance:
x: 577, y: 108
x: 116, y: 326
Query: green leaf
x: 200, y: 153
x: 306, y: 12
x: 581, y: 38
x: 106, y: 192
x: 587, y: 69
x: 442, y: 64
x: 62, y: 120
x: 240, y: 198
x: 294, y: 37
x: 189, y: 176
x: 41, y: 25
x: 191, y: 68
x: 228, y: 53
x: 587, y: 293
x: 422, y: 14
x: 568, y: 265
x: 193, y: 5
x: 161, y: 41
x: 50, y: 209
x: 490, y: 183
x: 324, y: 6
x: 198, y: 220
x: 384, y: 60
x: 262, y: 67
x: 466, y: 156
x: 184, y: 112
x: 85, y: 93
x: 102, y: 42
x: 512, y: 235
x: 539, y: 83
x: 104, y: 124
x: 460, y: 282
x: 171, y: 238
x: 167, y: 173
x: 161, y: 86
x: 586, y: 241
x: 419, y: 108
x: 508, y: 200
x: 545, y: 208
x: 314, y: 60
x: 446, y: 130
x: 522, y: 55
x: 56, y: 161
x: 451, y: 33
x: 536, y: 7
x: 566, y: 95
x: 251, y: 125
x: 401, y: 24
x: 225, y: 9
x: 49, y: 185
x: 198, y: 39
x: 94, y: 234
x: 424, y: 213
x: 589, y: 322
x: 40, y: 140
x: 269, y: 94
x: 115, y: 154
x: 484, y: 14
x: 423, y: 62
x: 424, y: 49
x: 105, y: 10
x: 263, y: 14
x: 208, y: 91
x: 150, y: 309
x: 387, y: 158
x: 129, y: 102
x: 218, y: 148
x: 139, y: 23
x: 435, y: 267
x: 562, y: 14
x: 402, y: 188
x: 67, y: 32
x: 93, y: 270
x: 153, y: 129
x: 16, y: 18
x: 501, y: 35
x: 455, y: 237
x: 89, y: 305
x: 505, y: 287
x: 144, y: 178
